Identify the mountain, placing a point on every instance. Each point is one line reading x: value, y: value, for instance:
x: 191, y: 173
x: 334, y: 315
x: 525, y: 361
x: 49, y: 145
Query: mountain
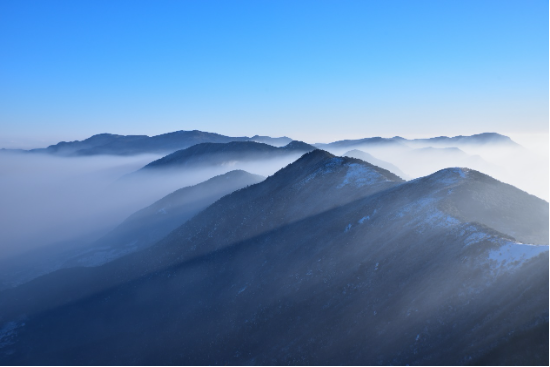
x: 216, y: 154
x: 112, y: 144
x: 422, y: 161
x: 477, y: 140
x: 95, y: 142
x: 359, y: 154
x: 138, y: 231
x: 276, y: 142
x: 154, y: 222
x: 419, y: 162
x: 329, y: 261
x: 376, y: 142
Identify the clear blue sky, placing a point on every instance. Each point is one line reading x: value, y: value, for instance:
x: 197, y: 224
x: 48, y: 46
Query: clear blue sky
x: 312, y: 70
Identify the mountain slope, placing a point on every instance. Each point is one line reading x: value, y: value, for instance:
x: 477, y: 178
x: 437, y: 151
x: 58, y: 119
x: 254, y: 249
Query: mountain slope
x: 329, y: 261
x: 216, y: 154
x: 138, y: 231
x: 152, y: 223
x: 359, y: 154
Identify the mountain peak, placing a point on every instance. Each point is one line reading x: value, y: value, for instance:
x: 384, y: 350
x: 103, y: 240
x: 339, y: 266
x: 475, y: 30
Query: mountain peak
x: 299, y: 145
x: 339, y: 172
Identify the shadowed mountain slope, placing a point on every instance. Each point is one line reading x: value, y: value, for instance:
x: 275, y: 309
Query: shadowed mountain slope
x: 215, y: 154
x: 329, y: 261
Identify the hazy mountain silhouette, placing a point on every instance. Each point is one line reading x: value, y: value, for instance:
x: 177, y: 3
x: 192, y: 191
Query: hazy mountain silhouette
x: 95, y: 143
x: 113, y: 144
x: 154, y: 222
x: 484, y: 139
x: 417, y: 162
x: 476, y: 139
x: 276, y: 142
x: 329, y: 261
x: 216, y: 154
x: 366, y: 142
x: 422, y: 161
x: 138, y: 231
x: 364, y: 156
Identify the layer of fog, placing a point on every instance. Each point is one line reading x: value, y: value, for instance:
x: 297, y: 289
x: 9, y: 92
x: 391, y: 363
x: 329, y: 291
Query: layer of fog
x: 48, y: 200
x: 518, y: 166
x: 51, y: 203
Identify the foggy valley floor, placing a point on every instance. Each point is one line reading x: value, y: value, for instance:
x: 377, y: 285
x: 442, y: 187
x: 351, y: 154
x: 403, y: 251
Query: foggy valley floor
x: 234, y: 251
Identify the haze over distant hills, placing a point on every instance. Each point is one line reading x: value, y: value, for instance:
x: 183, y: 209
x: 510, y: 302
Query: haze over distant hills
x: 139, y: 230
x: 491, y: 153
x: 479, y: 140
x: 112, y: 144
x: 215, y: 154
x: 331, y: 260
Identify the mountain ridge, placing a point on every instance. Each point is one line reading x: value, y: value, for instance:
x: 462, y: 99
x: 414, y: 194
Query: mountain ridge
x: 115, y: 144
x: 207, y: 154
x: 331, y: 260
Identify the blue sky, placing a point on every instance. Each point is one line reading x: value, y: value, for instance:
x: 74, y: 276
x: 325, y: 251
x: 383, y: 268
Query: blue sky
x: 312, y: 70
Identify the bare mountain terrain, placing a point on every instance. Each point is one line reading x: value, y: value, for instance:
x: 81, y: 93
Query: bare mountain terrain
x: 329, y: 261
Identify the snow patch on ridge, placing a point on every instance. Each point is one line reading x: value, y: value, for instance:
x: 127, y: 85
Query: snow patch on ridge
x: 512, y: 255
x: 328, y: 167
x: 447, y: 176
x: 476, y: 237
x: 425, y: 214
x: 451, y: 175
x: 359, y: 175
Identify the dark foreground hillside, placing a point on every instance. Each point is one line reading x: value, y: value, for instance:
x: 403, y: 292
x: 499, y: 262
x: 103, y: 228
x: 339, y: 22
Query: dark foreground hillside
x: 329, y: 261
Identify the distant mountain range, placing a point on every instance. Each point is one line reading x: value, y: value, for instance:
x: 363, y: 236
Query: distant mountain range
x: 331, y: 260
x: 478, y: 140
x: 113, y: 144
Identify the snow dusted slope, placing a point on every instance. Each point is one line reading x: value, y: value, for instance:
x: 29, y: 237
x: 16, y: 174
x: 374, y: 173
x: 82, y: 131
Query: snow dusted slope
x: 511, y: 255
